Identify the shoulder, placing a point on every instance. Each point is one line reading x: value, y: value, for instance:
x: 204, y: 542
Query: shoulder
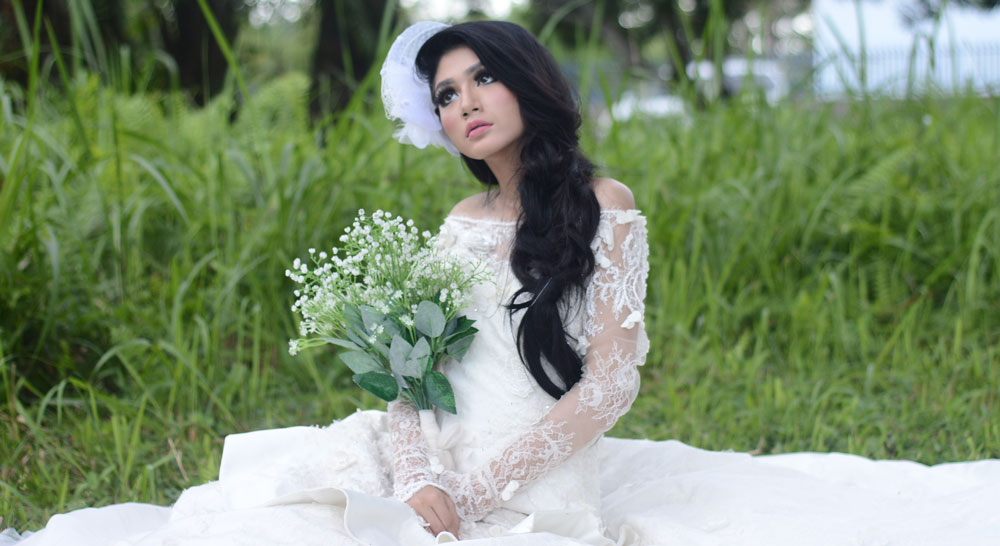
x: 470, y: 206
x: 612, y: 194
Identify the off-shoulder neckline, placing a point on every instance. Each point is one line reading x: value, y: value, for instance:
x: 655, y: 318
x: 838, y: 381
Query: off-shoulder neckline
x: 512, y: 222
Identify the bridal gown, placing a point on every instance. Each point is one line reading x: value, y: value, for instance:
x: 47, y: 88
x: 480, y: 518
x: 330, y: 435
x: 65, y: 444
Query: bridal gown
x: 524, y: 468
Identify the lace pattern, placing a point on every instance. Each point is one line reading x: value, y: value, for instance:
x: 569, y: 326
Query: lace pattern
x: 618, y: 285
x: 487, y: 240
x: 478, y: 493
x: 611, y: 339
x: 411, y: 454
x: 609, y: 390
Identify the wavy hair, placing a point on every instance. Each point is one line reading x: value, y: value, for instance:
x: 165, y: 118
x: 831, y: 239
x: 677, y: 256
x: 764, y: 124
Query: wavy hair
x: 551, y: 255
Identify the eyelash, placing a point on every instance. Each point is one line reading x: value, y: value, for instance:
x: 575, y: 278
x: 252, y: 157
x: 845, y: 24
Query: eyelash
x: 439, y: 99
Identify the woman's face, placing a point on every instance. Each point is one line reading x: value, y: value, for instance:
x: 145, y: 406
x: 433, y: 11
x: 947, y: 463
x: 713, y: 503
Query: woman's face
x: 479, y: 114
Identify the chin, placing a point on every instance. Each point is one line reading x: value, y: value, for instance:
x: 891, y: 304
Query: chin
x: 484, y: 152
x: 473, y: 154
x: 479, y: 157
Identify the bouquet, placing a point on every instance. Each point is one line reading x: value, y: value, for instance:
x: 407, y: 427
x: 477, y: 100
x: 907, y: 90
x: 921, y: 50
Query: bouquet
x: 393, y: 303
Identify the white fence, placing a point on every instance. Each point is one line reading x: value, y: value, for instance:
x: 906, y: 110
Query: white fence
x: 896, y: 71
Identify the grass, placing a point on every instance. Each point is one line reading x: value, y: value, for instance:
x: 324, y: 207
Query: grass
x: 823, y: 277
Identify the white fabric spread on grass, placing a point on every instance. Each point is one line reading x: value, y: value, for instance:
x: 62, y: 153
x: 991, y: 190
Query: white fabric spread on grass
x: 335, y: 485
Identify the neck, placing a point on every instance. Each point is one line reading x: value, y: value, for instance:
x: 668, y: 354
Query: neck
x: 505, y: 167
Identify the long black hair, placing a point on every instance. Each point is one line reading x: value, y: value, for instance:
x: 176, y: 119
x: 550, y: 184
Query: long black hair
x: 551, y: 255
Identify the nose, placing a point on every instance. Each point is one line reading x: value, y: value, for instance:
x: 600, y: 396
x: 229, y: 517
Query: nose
x: 470, y: 101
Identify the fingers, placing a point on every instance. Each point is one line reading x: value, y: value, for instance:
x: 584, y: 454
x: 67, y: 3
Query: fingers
x: 447, y: 516
x: 452, y: 522
x: 431, y: 522
x: 437, y: 509
x: 437, y: 517
x: 432, y: 517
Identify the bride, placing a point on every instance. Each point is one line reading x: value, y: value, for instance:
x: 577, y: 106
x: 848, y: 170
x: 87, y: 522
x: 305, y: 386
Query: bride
x: 554, y: 365
x: 570, y: 254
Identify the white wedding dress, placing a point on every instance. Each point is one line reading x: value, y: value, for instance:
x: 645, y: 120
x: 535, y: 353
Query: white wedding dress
x: 524, y: 468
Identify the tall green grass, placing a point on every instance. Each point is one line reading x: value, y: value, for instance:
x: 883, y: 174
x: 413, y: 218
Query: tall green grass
x: 823, y: 276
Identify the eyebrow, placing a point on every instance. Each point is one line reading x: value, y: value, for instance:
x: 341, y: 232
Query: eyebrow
x: 450, y: 81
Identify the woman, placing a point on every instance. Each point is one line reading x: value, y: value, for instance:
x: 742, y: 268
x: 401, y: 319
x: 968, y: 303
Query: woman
x: 576, y: 247
x: 553, y: 366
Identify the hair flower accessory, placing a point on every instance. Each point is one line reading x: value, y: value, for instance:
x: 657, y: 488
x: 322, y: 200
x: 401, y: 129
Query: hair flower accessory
x: 407, y: 97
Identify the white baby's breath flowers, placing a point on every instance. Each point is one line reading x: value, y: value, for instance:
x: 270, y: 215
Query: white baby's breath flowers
x: 383, y: 262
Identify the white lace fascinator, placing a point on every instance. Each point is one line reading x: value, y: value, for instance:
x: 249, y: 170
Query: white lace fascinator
x: 407, y: 97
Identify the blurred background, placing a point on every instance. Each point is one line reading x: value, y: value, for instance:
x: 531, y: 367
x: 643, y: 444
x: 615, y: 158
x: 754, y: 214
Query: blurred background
x: 821, y: 182
x: 784, y: 47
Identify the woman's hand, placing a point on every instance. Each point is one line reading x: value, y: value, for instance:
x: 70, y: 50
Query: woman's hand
x: 437, y: 508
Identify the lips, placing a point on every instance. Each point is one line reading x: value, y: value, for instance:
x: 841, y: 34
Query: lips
x: 472, y: 126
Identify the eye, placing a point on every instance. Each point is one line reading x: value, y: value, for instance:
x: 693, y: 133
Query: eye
x: 444, y: 96
x: 483, y: 77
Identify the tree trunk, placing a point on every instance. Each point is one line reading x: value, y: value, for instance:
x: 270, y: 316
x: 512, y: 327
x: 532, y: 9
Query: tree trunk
x: 189, y: 40
x: 345, y: 50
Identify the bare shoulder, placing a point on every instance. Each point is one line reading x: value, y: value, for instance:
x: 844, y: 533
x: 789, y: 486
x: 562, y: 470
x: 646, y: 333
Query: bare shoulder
x: 470, y: 206
x: 612, y: 194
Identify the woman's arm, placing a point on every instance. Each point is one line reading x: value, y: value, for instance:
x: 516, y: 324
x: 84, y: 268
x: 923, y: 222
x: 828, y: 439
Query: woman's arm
x: 610, y: 382
x: 411, y: 453
x: 411, y: 460
x: 413, y: 482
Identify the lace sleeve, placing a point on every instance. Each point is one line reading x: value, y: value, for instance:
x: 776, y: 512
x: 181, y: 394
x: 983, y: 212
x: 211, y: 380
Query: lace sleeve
x: 411, y: 456
x: 616, y: 345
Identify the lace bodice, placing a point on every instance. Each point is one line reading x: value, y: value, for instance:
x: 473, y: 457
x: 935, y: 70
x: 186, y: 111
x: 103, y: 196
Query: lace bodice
x: 514, y: 435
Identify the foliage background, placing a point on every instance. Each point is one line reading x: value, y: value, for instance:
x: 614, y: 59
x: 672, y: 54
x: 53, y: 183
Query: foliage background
x: 824, y: 276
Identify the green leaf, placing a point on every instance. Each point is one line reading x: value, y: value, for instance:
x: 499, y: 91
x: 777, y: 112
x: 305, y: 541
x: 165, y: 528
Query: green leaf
x: 341, y: 343
x: 439, y: 391
x: 355, y: 338
x: 450, y: 327
x: 458, y: 349
x: 421, y: 350
x: 470, y: 331
x: 382, y: 349
x: 371, y: 318
x: 411, y: 367
x: 400, y: 381
x: 379, y: 384
x: 360, y: 362
x: 429, y: 320
x: 420, y: 357
x: 391, y: 328
x: 415, y: 361
x: 462, y: 324
x: 353, y: 314
x: 399, y: 351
